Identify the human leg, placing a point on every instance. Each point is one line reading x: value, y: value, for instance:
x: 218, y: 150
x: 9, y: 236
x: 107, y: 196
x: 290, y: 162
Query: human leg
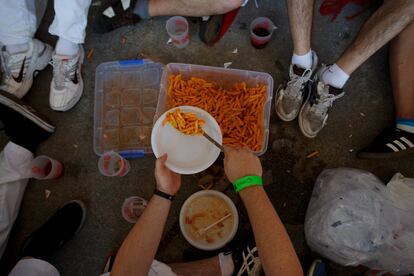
x: 117, y: 14
x: 69, y: 25
x: 385, y: 24
x: 22, y: 55
x: 26, y: 129
x: 304, y: 61
x: 390, y: 19
x: 399, y: 140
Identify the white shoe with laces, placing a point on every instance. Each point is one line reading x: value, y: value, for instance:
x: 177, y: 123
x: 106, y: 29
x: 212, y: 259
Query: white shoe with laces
x: 18, y: 69
x: 290, y: 97
x: 67, y: 84
x: 314, y: 113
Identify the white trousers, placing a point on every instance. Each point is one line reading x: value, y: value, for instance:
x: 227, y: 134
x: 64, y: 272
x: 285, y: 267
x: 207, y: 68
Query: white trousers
x: 19, y: 20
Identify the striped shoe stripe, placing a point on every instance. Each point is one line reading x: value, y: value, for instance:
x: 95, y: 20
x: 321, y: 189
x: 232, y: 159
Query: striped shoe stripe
x: 391, y: 146
x: 408, y: 142
x: 398, y: 143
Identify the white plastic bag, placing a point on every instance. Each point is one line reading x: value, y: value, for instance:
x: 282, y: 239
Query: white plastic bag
x: 354, y: 219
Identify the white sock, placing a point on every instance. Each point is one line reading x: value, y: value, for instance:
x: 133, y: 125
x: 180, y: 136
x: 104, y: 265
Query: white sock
x: 66, y: 48
x: 226, y: 264
x: 17, y: 48
x: 303, y: 61
x: 335, y: 76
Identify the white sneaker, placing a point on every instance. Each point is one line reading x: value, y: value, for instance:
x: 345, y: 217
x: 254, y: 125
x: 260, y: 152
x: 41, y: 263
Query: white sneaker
x: 289, y: 97
x: 314, y: 113
x: 67, y: 84
x: 19, y: 69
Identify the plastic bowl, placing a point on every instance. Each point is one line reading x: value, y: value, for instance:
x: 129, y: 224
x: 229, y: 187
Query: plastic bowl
x: 224, y: 240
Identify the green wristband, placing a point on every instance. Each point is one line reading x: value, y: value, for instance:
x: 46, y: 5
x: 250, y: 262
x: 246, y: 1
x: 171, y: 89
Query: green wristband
x: 247, y: 181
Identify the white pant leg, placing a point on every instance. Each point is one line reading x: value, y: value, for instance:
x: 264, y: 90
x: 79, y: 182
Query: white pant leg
x: 14, y: 168
x: 17, y: 21
x: 71, y: 18
x: 34, y: 267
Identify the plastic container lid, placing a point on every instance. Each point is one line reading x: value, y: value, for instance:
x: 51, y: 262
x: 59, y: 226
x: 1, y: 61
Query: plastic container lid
x: 126, y: 95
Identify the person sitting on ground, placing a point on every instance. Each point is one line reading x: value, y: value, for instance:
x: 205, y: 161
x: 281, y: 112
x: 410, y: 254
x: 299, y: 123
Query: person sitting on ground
x: 119, y: 13
x: 327, y: 82
x: 27, y: 129
x: 399, y: 140
x: 277, y: 255
x: 22, y: 56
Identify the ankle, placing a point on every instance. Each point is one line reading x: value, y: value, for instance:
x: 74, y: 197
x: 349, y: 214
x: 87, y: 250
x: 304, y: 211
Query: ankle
x: 66, y: 47
x: 303, y: 61
x: 335, y: 76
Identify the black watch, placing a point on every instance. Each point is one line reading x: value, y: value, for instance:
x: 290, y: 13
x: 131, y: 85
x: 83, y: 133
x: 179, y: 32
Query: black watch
x: 164, y: 195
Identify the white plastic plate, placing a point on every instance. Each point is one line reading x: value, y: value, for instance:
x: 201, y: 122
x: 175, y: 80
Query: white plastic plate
x: 187, y: 154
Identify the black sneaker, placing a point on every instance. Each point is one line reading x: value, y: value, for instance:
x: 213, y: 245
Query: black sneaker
x: 318, y: 268
x: 392, y: 142
x: 24, y: 125
x: 114, y: 15
x: 52, y: 235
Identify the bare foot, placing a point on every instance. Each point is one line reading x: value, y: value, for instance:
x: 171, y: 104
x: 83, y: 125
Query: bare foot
x: 192, y: 7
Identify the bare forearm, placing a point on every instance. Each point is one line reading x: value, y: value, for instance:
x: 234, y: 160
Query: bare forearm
x: 273, y: 243
x: 138, y: 249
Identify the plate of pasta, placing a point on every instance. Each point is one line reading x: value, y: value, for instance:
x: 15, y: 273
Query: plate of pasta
x: 179, y: 133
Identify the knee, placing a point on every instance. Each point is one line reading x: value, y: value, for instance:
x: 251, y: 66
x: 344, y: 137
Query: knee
x: 224, y: 6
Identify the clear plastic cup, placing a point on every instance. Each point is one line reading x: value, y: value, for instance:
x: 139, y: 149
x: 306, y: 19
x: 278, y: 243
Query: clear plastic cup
x: 133, y: 208
x: 177, y: 29
x: 261, y: 30
x: 44, y: 167
x: 113, y: 164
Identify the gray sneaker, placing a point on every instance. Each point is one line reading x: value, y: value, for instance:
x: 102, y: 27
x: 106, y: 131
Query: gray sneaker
x: 290, y: 96
x: 314, y: 112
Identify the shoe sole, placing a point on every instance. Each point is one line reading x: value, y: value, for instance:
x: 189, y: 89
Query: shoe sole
x: 383, y: 155
x: 84, y: 212
x: 281, y: 116
x: 78, y: 97
x: 25, y: 110
x: 24, y: 89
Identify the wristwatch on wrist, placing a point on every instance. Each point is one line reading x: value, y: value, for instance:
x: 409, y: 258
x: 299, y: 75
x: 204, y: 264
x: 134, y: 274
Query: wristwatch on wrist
x: 247, y: 181
x: 164, y: 195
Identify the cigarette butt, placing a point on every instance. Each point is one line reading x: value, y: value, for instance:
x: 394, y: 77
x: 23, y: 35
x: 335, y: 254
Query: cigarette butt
x: 313, y: 154
x: 90, y: 53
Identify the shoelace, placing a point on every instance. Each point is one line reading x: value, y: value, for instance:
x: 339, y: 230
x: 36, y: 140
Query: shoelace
x: 63, y: 70
x: 298, y: 82
x: 325, y: 101
x: 3, y: 66
x: 248, y: 260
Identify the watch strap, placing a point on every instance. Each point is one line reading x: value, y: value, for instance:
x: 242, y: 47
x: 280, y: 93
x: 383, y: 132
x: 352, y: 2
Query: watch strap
x: 164, y: 195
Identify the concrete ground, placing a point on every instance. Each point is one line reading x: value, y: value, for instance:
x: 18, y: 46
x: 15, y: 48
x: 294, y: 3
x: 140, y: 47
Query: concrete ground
x: 354, y: 122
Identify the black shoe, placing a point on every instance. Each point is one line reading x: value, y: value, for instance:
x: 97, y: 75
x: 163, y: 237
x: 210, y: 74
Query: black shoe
x: 122, y: 17
x: 52, y: 235
x: 392, y: 142
x: 318, y: 268
x: 24, y: 125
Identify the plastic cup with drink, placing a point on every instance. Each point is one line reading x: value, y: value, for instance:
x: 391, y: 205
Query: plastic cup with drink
x: 44, y: 167
x: 177, y: 29
x: 133, y: 208
x: 113, y: 164
x: 261, y: 30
